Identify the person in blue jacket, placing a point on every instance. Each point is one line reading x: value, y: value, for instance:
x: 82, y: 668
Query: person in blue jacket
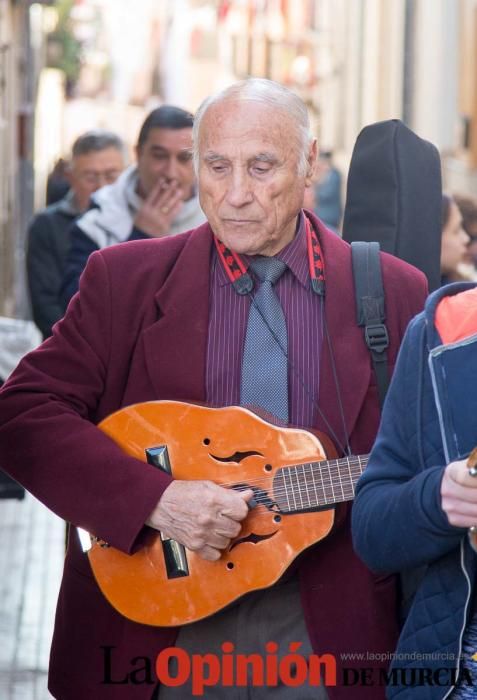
x: 417, y: 499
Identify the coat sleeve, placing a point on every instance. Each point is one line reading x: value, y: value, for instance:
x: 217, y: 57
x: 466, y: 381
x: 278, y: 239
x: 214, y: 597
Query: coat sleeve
x: 398, y: 521
x: 44, y: 275
x: 48, y: 440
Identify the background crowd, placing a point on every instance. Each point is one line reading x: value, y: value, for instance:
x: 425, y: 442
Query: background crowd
x: 61, y: 236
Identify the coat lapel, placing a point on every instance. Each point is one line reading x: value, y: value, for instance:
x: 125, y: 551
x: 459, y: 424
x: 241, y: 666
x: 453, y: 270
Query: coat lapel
x: 175, y: 346
x: 344, y: 349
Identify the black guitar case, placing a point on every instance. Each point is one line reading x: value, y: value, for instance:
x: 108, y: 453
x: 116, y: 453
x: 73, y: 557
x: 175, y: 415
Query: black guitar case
x: 394, y: 196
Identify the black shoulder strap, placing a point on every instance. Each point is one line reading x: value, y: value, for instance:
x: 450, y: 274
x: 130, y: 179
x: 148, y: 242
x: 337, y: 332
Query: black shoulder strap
x: 370, y: 308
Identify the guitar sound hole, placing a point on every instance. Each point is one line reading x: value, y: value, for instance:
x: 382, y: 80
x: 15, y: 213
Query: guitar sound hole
x: 237, y: 456
x: 230, y: 565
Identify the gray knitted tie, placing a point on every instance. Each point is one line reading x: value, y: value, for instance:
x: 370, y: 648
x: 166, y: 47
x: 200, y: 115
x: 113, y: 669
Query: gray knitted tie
x: 264, y: 365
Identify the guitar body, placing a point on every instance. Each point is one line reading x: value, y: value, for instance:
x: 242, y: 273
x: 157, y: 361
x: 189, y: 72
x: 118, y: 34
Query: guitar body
x: 230, y: 446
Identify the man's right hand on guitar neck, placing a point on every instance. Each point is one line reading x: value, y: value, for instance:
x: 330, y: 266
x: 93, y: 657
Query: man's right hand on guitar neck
x: 200, y: 515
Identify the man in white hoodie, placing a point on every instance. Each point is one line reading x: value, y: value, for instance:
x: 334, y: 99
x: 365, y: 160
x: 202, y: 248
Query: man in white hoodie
x: 154, y: 198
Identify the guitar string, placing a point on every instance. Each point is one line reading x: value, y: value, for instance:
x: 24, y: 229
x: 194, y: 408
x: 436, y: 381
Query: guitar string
x: 300, y: 504
x: 340, y: 474
x: 326, y: 492
x: 297, y: 503
x: 338, y: 470
x: 279, y: 490
x: 333, y: 470
x: 329, y: 497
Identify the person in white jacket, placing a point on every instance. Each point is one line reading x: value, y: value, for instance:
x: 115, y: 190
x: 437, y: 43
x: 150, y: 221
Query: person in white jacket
x: 154, y: 198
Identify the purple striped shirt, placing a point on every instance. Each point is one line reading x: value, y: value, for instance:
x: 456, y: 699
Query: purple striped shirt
x: 303, y: 314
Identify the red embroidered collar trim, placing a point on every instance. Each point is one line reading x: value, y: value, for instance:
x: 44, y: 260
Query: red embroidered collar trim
x: 243, y: 283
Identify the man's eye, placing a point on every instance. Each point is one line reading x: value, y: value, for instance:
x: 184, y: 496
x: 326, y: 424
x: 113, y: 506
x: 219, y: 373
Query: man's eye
x: 261, y: 169
x: 218, y: 168
x: 184, y: 157
x: 112, y: 175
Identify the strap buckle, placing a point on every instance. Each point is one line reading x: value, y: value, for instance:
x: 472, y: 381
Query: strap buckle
x: 376, y: 336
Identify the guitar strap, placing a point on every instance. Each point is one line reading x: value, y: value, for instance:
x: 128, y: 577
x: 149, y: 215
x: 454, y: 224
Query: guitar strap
x: 242, y: 282
x: 370, y: 308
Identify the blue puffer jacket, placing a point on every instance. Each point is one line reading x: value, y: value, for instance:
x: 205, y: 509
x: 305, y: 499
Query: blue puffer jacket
x: 429, y: 419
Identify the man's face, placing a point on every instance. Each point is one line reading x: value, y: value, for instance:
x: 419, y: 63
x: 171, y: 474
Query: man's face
x: 453, y: 242
x: 472, y: 250
x: 167, y: 155
x: 91, y: 171
x: 249, y: 185
x: 471, y: 230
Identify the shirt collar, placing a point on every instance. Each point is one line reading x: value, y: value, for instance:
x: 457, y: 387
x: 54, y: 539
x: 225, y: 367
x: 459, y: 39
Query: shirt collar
x: 295, y: 255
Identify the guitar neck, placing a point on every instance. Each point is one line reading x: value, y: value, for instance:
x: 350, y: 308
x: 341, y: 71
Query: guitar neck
x: 303, y: 487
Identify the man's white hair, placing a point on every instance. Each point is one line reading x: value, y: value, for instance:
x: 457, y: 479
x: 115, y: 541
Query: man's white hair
x: 269, y: 93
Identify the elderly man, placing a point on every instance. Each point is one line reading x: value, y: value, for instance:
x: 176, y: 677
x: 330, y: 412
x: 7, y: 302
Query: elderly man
x: 154, y: 198
x: 97, y: 160
x: 255, y: 307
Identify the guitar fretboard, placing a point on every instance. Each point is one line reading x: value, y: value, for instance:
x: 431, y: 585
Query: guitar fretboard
x: 317, y: 484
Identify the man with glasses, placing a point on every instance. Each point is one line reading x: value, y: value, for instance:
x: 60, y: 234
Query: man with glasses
x: 97, y: 159
x: 156, y: 197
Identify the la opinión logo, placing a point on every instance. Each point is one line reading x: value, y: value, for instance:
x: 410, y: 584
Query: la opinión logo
x: 228, y: 669
x: 175, y: 667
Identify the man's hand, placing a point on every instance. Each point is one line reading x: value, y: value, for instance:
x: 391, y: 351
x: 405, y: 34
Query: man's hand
x: 160, y: 207
x: 459, y: 494
x: 200, y: 515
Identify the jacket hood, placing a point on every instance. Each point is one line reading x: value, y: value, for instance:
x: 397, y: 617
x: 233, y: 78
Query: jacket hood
x: 432, y: 336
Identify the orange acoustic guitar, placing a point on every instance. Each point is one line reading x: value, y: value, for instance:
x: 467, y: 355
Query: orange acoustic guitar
x: 295, y: 488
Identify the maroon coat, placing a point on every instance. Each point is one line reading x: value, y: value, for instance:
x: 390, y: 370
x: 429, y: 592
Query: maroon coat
x: 137, y: 332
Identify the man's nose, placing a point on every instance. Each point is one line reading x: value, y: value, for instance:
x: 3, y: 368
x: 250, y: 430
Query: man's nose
x: 239, y: 191
x: 171, y: 171
x: 103, y: 179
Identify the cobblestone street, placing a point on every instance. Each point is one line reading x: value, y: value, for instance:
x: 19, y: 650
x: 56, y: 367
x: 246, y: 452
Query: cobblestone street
x: 31, y: 561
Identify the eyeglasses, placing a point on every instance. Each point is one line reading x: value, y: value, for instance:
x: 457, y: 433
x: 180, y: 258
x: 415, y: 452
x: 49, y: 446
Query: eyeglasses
x: 98, y: 177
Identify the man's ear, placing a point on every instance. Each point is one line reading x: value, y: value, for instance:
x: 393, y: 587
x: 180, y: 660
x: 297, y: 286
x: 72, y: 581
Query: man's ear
x: 312, y: 158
